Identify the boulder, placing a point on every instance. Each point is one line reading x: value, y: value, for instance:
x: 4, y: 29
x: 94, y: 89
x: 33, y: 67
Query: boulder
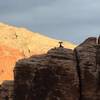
x: 52, y: 76
x: 60, y: 74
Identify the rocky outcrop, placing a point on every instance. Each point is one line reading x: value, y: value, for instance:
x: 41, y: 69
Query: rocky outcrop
x: 61, y: 74
x: 47, y: 77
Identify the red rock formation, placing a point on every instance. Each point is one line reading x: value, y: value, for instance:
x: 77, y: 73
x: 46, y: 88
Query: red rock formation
x: 8, y: 58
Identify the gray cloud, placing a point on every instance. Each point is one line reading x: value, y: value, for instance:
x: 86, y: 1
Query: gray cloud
x: 72, y: 20
x: 16, y: 6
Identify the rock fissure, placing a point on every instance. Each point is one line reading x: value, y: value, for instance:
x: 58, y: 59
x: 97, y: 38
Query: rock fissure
x: 79, y: 74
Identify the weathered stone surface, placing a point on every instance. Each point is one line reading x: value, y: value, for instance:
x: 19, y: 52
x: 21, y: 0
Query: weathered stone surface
x: 61, y: 74
x: 47, y: 77
x: 87, y: 64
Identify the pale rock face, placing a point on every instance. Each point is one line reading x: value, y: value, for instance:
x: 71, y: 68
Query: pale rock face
x: 27, y: 41
x: 17, y: 43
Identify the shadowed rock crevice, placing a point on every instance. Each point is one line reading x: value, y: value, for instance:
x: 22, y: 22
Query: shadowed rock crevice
x: 79, y: 74
x: 88, y: 59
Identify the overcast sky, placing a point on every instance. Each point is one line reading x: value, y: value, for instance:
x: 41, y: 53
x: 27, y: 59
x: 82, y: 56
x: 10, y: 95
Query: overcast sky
x: 71, y: 20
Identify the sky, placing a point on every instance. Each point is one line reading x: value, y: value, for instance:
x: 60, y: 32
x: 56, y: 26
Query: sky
x: 71, y: 20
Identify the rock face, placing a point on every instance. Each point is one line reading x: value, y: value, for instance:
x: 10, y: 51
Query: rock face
x: 86, y: 57
x: 47, y: 77
x: 61, y: 74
